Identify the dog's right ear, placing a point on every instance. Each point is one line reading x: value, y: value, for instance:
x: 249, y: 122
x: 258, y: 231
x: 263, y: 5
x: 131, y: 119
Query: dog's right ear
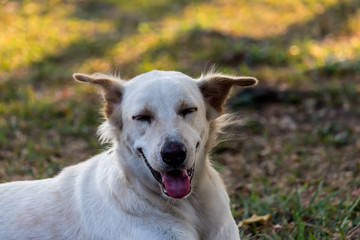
x: 112, y: 89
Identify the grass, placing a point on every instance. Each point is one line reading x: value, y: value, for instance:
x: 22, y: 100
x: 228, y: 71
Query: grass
x: 295, y: 154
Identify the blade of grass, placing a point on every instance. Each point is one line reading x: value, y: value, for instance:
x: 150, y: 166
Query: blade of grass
x: 347, y: 215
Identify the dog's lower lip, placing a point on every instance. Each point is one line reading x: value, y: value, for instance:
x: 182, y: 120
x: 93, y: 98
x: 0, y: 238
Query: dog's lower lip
x: 157, y: 175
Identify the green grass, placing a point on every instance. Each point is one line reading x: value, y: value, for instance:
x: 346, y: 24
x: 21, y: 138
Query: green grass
x: 320, y: 218
x: 296, y: 152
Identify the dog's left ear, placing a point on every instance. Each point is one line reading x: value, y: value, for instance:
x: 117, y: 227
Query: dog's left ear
x: 112, y: 89
x: 216, y: 88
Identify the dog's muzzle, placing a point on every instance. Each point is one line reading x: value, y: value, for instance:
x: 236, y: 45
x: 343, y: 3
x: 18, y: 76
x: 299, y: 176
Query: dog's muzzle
x: 175, y: 183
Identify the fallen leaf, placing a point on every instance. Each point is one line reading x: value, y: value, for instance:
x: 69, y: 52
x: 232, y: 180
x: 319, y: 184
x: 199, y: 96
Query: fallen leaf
x: 255, y: 219
x: 295, y: 158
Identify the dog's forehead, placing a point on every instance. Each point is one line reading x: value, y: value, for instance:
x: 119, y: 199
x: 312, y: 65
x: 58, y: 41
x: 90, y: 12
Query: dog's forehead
x: 156, y: 74
x: 161, y: 86
x: 161, y: 79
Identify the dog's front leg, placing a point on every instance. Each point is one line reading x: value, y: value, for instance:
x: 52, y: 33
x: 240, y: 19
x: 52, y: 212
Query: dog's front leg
x: 230, y: 231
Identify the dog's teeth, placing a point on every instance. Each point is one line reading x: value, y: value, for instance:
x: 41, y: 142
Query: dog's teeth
x: 190, y: 172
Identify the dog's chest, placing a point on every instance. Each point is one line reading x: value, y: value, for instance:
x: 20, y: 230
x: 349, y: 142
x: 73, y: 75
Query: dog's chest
x: 161, y: 231
x: 155, y: 228
x: 146, y: 223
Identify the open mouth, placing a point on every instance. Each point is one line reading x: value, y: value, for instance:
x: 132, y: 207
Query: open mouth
x: 175, y: 183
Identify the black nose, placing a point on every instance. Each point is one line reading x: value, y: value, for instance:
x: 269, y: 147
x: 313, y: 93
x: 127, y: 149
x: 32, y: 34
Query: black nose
x: 173, y: 153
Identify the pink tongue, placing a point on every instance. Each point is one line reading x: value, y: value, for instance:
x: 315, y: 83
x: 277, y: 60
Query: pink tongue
x: 177, y: 183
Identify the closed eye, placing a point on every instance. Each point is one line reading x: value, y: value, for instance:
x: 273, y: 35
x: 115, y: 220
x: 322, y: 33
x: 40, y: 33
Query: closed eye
x: 187, y: 111
x: 143, y: 118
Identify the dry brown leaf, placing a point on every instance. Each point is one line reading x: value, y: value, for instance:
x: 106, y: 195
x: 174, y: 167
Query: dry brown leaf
x: 295, y: 158
x: 255, y: 219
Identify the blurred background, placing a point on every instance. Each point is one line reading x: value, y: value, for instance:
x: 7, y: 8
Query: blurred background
x: 292, y: 164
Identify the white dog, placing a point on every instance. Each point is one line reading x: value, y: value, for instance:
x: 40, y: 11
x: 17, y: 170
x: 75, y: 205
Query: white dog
x: 156, y: 182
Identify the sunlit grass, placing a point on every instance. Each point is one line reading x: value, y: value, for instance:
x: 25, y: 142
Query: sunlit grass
x: 33, y: 30
x: 248, y: 19
x: 332, y: 50
x: 253, y: 19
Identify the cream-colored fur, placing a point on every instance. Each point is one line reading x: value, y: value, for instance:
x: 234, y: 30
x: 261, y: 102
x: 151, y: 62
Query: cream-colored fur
x: 114, y: 195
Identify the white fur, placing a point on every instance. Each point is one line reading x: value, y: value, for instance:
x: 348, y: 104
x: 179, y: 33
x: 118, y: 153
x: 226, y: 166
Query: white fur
x: 114, y: 195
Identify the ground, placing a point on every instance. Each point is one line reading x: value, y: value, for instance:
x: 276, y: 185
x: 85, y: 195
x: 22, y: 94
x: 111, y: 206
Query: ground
x: 294, y: 152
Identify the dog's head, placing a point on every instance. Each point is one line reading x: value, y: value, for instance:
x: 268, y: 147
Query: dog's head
x: 164, y: 119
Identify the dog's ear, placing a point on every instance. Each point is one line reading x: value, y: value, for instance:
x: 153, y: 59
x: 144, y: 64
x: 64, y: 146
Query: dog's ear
x: 215, y: 88
x: 112, y: 89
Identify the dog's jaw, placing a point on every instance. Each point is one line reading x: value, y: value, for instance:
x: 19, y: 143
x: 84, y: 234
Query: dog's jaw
x: 164, y: 179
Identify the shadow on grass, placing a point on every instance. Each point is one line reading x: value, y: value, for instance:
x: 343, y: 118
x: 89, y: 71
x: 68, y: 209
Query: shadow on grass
x: 137, y: 10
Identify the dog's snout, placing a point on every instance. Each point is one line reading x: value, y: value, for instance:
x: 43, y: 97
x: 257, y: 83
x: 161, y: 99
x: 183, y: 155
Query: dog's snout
x: 173, y: 153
